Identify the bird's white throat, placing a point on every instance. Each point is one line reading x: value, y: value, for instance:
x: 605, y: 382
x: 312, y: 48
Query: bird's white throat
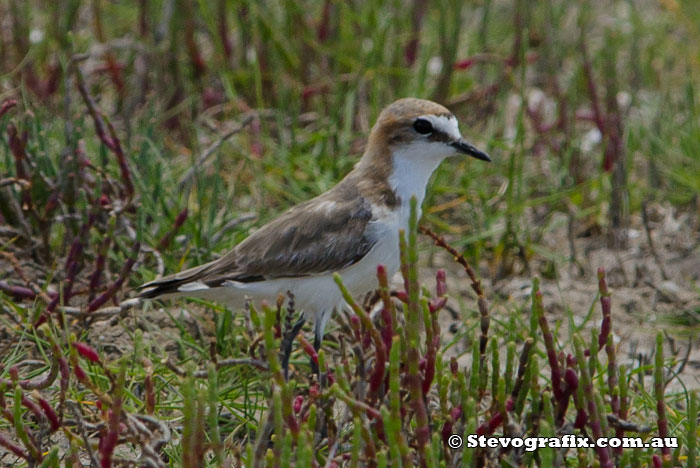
x: 412, y: 167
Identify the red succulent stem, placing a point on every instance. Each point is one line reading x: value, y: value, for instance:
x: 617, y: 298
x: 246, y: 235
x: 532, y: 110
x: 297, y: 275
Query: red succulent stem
x: 6, y: 105
x: 388, y: 310
x: 324, y: 25
x: 111, y: 141
x: 308, y: 348
x: 597, y: 431
x: 111, y: 291
x: 109, y: 441
x: 430, y: 356
x: 433, y: 329
x: 538, y: 308
x: 570, y: 386
x: 223, y: 29
x: 605, y: 339
x: 33, y: 407
x: 17, y: 450
x: 18, y: 148
x: 659, y: 384
x: 6, y: 413
x: 96, y: 277
x: 490, y: 426
x: 597, y: 116
x: 411, y: 48
x: 121, y: 161
x: 86, y: 351
x: 606, y: 324
x: 298, y: 402
x: 72, y: 267
x: 80, y: 373
x: 17, y: 292
x: 447, y: 428
x: 196, y: 59
x: 167, y: 238
x: 49, y: 413
x: 581, y: 418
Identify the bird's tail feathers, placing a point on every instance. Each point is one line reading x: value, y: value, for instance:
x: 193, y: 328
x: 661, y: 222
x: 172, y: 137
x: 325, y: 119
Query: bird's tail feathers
x: 182, y: 282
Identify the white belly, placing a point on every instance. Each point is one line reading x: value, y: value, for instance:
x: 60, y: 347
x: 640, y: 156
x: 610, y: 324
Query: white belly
x: 316, y: 295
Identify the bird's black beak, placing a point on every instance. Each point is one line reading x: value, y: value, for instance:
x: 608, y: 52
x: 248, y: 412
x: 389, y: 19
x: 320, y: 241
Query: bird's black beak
x: 462, y: 146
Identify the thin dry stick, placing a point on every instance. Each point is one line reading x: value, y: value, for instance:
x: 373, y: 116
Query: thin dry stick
x: 150, y: 449
x: 626, y: 426
x: 684, y: 361
x: 123, y: 275
x: 14, y: 180
x: 650, y: 241
x: 39, y: 383
x: 111, y: 141
x: 476, y: 283
x: 75, y: 408
x: 104, y: 311
x: 38, y: 291
x: 262, y: 440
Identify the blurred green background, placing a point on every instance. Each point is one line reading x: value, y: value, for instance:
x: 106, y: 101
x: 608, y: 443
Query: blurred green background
x: 589, y: 108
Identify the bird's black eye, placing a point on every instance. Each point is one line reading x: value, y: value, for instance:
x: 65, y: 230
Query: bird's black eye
x: 423, y: 127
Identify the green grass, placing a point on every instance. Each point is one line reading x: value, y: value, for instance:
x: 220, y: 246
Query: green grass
x: 316, y: 75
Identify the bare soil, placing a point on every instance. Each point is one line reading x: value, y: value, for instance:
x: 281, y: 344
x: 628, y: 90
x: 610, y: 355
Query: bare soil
x: 652, y: 290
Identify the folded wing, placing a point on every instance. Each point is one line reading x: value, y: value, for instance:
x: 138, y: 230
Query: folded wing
x: 320, y: 236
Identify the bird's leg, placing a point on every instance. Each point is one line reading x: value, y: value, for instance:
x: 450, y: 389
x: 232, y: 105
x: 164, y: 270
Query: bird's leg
x: 317, y: 345
x: 286, y: 345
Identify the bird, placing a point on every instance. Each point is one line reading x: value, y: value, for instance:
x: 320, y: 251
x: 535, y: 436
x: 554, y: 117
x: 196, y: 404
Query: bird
x: 350, y: 229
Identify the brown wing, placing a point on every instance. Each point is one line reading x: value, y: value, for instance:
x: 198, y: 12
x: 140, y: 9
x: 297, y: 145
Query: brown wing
x: 315, y: 237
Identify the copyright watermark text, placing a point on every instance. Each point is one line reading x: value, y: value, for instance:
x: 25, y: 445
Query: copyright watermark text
x: 531, y: 444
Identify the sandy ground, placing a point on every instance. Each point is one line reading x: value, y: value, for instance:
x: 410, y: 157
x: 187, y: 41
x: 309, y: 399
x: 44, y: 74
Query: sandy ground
x: 650, y: 293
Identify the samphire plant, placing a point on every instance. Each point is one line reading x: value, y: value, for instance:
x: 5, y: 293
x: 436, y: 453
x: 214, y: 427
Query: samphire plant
x: 388, y: 394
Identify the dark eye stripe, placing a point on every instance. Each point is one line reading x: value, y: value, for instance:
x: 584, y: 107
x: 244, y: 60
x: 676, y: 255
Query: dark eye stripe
x: 423, y: 126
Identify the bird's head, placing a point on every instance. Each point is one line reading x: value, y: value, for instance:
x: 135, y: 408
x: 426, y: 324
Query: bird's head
x: 417, y: 128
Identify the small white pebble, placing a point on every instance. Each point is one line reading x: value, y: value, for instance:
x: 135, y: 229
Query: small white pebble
x: 434, y: 65
x: 624, y: 99
x: 535, y: 98
x: 36, y: 36
x: 251, y: 55
x: 590, y: 140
